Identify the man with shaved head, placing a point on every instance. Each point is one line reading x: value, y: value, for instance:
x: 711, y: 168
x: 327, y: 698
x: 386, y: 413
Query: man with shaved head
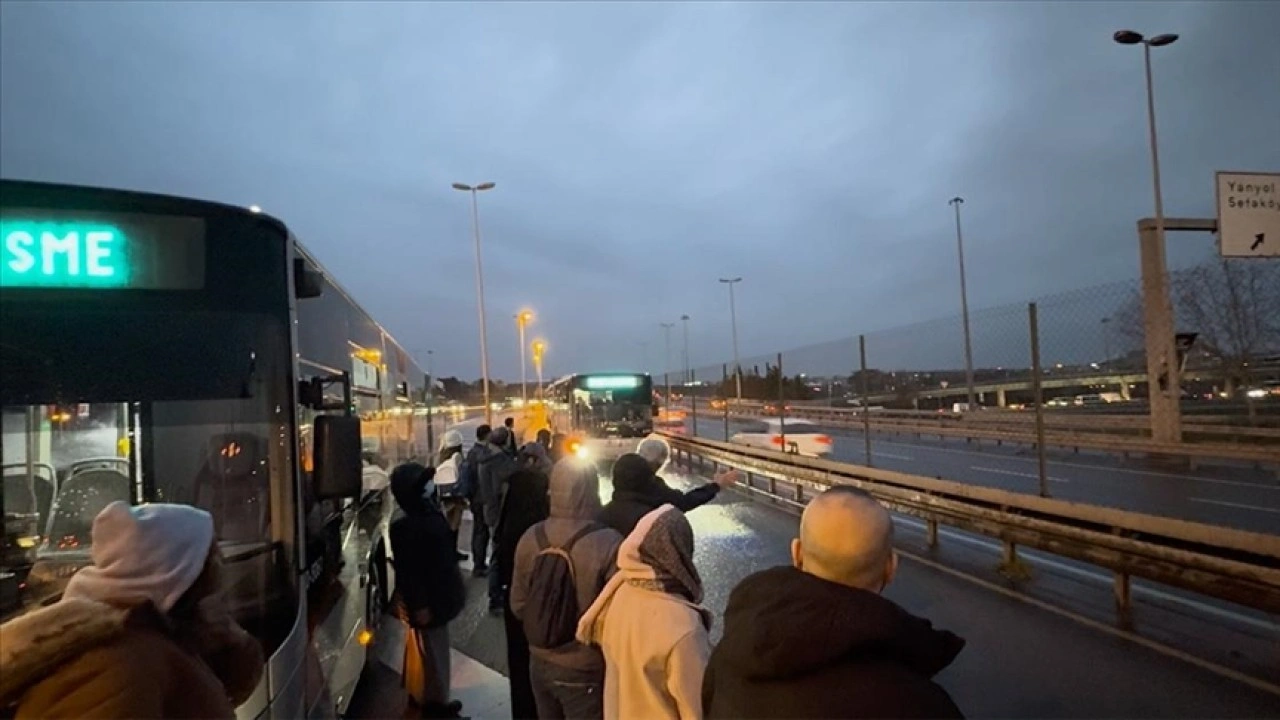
x: 818, y: 640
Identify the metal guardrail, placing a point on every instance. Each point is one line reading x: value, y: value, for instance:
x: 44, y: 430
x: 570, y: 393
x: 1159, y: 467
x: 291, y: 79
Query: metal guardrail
x: 1077, y: 439
x: 1233, y: 565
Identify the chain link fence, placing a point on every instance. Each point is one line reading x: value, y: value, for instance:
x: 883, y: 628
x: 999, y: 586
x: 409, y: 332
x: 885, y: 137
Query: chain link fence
x: 1068, y: 363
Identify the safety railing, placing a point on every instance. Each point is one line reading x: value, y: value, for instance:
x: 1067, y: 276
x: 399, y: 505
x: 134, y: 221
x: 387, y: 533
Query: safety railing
x: 1233, y: 565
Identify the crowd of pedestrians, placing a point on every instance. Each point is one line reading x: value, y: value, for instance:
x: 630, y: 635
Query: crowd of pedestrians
x: 601, y: 604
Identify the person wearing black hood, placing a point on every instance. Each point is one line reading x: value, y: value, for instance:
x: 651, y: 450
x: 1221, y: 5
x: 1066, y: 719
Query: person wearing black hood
x: 527, y: 504
x: 469, y: 488
x: 429, y: 588
x: 496, y: 466
x: 818, y: 640
x: 637, y: 491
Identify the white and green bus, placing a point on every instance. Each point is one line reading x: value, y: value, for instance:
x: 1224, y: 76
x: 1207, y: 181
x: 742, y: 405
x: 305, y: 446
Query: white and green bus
x: 161, y: 349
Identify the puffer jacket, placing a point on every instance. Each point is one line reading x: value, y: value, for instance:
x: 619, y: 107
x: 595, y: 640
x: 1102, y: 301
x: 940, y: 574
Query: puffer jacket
x: 575, y: 501
x: 80, y: 658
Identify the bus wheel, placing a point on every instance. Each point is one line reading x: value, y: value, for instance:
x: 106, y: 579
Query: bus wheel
x: 375, y: 595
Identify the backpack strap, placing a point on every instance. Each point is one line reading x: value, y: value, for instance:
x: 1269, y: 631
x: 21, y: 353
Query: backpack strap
x: 583, y: 532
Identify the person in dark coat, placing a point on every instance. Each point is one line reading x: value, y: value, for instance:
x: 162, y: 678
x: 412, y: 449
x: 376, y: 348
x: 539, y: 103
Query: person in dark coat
x: 469, y: 488
x: 527, y: 504
x: 511, y: 443
x: 428, y: 582
x: 637, y: 491
x: 818, y: 640
x: 495, y: 469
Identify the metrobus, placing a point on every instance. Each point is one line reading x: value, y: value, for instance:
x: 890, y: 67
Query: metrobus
x: 603, y: 414
x: 162, y: 349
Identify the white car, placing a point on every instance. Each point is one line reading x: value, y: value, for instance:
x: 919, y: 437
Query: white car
x: 801, y: 437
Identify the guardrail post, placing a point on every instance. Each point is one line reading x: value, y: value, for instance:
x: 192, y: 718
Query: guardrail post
x: 932, y: 533
x: 1124, y: 599
x: 1033, y: 317
x: 866, y: 395
x: 773, y: 485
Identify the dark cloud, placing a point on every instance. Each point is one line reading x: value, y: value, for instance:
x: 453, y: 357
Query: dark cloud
x: 643, y: 150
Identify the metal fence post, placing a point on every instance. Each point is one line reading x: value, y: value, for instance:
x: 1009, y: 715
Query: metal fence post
x: 866, y: 397
x: 693, y: 400
x: 431, y: 425
x: 724, y: 385
x: 1034, y: 318
x: 782, y: 405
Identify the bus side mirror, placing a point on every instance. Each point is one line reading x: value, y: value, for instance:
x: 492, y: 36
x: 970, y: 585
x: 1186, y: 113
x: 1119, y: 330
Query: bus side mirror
x: 307, y: 282
x: 338, y: 470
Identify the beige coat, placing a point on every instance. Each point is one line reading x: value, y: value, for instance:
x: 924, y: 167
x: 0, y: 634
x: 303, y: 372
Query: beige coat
x: 84, y: 659
x: 656, y: 647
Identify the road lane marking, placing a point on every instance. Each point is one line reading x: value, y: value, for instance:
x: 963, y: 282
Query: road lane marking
x: 1138, y: 586
x: 1019, y: 474
x: 1242, y: 506
x: 1103, y: 468
x: 891, y: 456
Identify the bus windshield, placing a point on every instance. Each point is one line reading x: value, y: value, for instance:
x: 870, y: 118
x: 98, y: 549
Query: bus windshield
x: 619, y: 405
x: 140, y: 420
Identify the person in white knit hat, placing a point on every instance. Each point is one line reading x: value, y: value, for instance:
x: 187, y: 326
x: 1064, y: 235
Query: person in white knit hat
x: 143, y: 632
x: 453, y: 498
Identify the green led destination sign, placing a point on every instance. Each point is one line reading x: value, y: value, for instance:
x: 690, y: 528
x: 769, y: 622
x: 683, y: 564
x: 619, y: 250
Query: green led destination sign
x: 56, y: 249
x: 612, y: 382
x: 52, y: 254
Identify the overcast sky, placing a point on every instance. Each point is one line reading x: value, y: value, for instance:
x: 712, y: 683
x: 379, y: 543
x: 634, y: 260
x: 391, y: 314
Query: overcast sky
x: 641, y: 151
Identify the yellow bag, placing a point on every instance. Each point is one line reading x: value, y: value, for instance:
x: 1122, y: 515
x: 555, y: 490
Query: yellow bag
x: 416, y: 673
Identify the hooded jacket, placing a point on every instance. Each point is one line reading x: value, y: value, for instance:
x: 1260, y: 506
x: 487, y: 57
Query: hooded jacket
x: 649, y: 625
x: 575, y: 501
x: 638, y: 491
x: 798, y: 646
x: 495, y: 466
x: 526, y: 504
x: 426, y: 563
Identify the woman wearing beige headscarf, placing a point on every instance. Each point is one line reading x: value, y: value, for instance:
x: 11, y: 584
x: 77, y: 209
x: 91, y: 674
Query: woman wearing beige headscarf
x: 648, y: 617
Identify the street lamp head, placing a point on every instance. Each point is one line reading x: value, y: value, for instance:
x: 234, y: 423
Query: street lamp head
x: 957, y: 200
x: 485, y: 186
x: 684, y: 318
x: 462, y: 186
x: 525, y: 317
x: 730, y: 280
x: 1127, y: 37
x: 1162, y: 40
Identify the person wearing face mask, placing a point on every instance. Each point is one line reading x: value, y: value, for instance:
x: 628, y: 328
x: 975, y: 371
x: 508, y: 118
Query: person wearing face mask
x: 143, y: 632
x: 818, y: 640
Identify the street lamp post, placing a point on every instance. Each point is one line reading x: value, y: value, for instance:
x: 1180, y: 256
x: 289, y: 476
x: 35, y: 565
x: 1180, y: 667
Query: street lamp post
x: 733, y: 319
x: 539, y: 349
x: 1163, y: 370
x: 666, y: 360
x: 523, y: 318
x: 484, y: 333
x: 684, y: 319
x: 956, y: 202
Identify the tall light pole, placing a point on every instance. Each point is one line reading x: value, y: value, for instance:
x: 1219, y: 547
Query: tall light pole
x: 523, y: 318
x: 539, y: 348
x: 666, y: 361
x: 684, y: 319
x: 956, y: 202
x: 484, y: 332
x: 733, y: 319
x: 1157, y: 309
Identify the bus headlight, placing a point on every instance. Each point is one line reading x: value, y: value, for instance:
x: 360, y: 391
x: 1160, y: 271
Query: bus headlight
x: 581, y: 452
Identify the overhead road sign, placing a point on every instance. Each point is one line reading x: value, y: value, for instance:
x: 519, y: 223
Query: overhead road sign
x: 1248, y: 214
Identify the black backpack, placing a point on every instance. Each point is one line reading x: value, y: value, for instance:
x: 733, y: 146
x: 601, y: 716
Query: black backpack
x: 551, y: 612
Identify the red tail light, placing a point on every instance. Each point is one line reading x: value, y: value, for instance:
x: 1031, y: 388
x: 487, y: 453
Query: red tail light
x: 822, y: 440
x: 776, y: 440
